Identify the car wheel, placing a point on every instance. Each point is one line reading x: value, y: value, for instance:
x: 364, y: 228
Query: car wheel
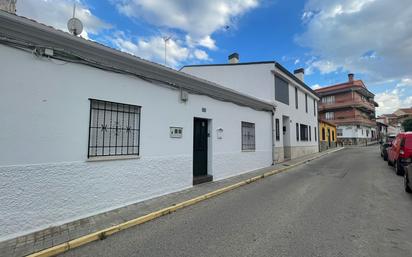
x: 398, y: 169
x: 406, y: 182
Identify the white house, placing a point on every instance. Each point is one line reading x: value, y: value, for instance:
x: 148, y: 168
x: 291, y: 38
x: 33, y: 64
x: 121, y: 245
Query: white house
x: 296, y: 121
x: 85, y: 128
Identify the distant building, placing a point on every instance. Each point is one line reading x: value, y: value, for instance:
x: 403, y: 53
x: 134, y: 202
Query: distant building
x: 351, y: 107
x: 391, y: 122
x: 327, y: 135
x: 403, y: 114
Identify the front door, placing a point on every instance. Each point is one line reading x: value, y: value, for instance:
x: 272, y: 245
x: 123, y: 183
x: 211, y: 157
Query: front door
x: 200, y: 136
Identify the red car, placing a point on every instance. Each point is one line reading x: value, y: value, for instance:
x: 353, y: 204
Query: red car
x: 400, y: 153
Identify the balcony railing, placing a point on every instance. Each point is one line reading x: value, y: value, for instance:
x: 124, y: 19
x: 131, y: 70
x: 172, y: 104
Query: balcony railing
x: 341, y: 104
x: 353, y: 120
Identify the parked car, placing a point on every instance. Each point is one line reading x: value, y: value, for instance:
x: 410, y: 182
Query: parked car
x: 387, y: 142
x: 407, y: 177
x: 400, y: 153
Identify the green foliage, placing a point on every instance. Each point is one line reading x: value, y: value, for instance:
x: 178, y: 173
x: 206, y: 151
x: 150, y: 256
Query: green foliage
x: 407, y: 125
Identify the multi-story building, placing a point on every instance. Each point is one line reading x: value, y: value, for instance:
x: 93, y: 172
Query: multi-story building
x: 351, y: 107
x: 295, y: 118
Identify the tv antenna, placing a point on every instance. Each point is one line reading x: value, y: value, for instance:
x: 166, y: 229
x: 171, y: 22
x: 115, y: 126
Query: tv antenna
x: 74, y: 25
x: 166, y: 39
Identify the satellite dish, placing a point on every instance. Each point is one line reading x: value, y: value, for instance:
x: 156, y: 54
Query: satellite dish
x: 75, y: 25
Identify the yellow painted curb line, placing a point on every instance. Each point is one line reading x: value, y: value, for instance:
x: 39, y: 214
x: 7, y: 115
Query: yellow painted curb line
x: 102, y: 234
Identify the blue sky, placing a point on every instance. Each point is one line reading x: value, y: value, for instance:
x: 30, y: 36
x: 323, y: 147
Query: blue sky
x: 329, y: 38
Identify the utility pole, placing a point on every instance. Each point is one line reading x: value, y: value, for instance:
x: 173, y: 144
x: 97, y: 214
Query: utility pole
x: 166, y: 39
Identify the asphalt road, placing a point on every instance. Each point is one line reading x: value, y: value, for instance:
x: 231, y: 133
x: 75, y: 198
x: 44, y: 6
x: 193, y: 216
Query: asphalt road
x: 349, y: 203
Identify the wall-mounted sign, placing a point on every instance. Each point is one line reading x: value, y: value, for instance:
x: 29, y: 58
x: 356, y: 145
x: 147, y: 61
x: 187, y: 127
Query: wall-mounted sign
x: 176, y: 132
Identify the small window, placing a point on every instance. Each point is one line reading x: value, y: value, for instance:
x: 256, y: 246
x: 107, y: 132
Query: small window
x: 333, y: 135
x: 339, y: 132
x: 297, y: 131
x: 330, y: 115
x: 296, y: 98
x: 281, y: 90
x: 328, y: 99
x: 304, y: 135
x: 248, y: 136
x: 316, y: 136
x: 277, y: 130
x: 114, y: 129
x: 314, y: 107
x: 323, y: 134
x: 306, y: 102
x: 310, y: 133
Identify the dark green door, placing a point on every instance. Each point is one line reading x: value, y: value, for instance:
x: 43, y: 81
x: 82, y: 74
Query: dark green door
x: 200, y: 147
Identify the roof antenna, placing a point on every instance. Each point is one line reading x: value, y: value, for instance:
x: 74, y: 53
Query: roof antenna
x: 74, y: 25
x: 166, y: 39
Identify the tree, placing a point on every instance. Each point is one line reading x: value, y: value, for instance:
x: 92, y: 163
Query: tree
x: 407, y: 125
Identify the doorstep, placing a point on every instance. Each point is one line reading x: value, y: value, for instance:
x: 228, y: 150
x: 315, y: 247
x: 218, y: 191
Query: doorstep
x: 56, y: 235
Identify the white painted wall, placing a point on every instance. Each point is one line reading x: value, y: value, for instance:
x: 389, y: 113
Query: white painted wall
x: 258, y: 80
x: 250, y: 79
x: 351, y: 131
x: 45, y: 178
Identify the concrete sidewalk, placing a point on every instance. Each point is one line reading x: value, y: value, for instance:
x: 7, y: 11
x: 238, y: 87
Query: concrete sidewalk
x: 53, y: 236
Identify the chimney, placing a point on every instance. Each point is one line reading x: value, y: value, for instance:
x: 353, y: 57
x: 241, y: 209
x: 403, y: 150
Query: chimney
x: 351, y: 76
x: 8, y: 5
x: 234, y: 58
x: 300, y: 73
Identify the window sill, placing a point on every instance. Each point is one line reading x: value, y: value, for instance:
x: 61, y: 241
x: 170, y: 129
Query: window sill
x: 248, y: 151
x: 112, y: 158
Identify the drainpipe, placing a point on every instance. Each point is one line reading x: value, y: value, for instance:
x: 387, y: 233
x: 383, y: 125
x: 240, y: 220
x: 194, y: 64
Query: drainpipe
x: 273, y: 136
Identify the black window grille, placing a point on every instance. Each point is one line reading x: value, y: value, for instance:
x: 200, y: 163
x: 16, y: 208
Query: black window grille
x: 248, y: 136
x: 310, y: 133
x: 304, y: 135
x: 277, y: 130
x: 296, y: 98
x: 114, y: 129
x: 297, y: 131
x: 306, y: 102
x: 316, y: 136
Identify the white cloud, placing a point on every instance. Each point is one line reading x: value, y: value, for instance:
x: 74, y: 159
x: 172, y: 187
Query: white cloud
x: 316, y: 86
x: 361, y: 36
x: 56, y: 13
x: 201, y: 55
x: 199, y: 19
x: 390, y: 101
x: 323, y: 66
x: 153, y: 48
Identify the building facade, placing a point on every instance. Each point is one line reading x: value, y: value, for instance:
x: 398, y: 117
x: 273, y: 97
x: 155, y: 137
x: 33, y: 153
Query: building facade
x: 295, y: 119
x: 327, y: 135
x: 351, y: 107
x: 86, y: 129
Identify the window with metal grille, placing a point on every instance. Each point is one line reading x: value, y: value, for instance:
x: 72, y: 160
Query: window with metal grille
x: 297, y: 131
x: 277, y: 130
x: 304, y: 135
x: 310, y: 133
x: 306, y: 103
x: 114, y: 129
x: 316, y: 136
x: 248, y: 136
x: 296, y: 98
